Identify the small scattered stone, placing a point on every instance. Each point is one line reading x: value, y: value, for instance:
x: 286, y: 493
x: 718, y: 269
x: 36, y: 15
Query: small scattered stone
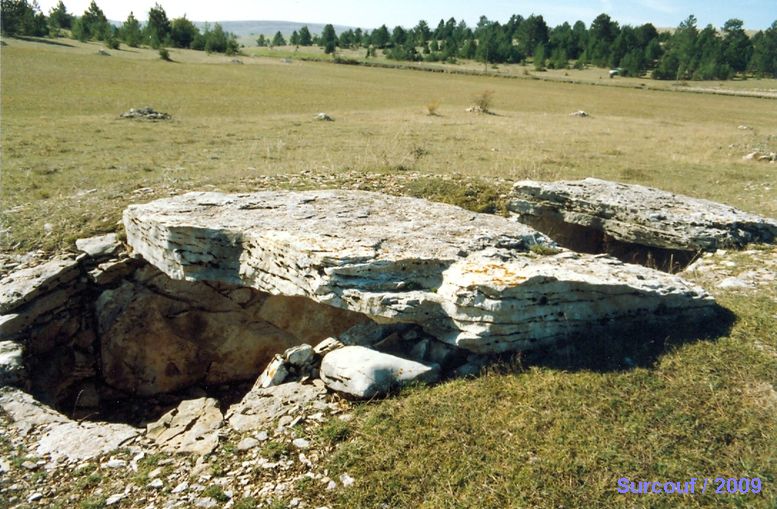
x: 247, y: 443
x: 206, y: 502
x: 274, y: 374
x: 29, y: 465
x: 301, y: 443
x: 114, y: 499
x: 262, y: 436
x: 181, y: 488
x: 346, y: 480
x: 326, y: 346
x: 116, y: 463
x: 35, y: 497
x: 301, y: 355
x: 155, y: 473
x: 731, y: 283
x: 156, y: 484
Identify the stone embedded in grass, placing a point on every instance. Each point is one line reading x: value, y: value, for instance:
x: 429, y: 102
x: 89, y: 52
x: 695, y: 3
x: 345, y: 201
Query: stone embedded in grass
x: 467, y: 279
x: 99, y: 246
x: 146, y: 113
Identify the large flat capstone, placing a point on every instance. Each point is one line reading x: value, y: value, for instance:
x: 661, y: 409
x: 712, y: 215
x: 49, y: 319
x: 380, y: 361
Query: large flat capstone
x: 637, y: 214
x: 473, y: 280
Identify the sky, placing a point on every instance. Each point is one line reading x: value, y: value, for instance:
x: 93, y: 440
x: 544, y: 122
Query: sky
x: 756, y: 14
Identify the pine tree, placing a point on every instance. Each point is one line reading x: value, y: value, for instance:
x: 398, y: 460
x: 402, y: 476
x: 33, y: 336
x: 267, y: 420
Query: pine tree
x: 183, y: 33
x: 305, y: 39
x: 764, y: 59
x: 130, y: 32
x: 94, y: 24
x: 158, y: 27
x: 278, y: 39
x: 329, y: 39
x: 59, y: 17
x: 737, y: 46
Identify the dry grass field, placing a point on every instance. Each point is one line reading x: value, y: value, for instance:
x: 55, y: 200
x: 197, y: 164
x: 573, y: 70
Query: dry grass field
x: 524, y: 435
x: 71, y: 162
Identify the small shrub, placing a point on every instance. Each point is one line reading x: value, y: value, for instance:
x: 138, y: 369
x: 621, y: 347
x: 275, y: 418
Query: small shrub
x: 544, y: 249
x: 92, y: 503
x: 484, y: 101
x: 432, y: 107
x: 216, y: 493
x: 165, y: 55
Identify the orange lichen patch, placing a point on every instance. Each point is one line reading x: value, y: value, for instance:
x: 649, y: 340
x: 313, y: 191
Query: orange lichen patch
x: 496, y: 274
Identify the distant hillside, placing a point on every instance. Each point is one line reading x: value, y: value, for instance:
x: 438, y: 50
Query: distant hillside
x: 269, y: 28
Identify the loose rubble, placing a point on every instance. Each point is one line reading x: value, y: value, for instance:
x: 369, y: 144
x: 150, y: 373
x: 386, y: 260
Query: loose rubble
x: 761, y: 156
x: 147, y: 113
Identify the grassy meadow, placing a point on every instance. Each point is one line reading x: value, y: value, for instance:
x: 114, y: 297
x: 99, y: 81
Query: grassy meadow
x: 525, y: 435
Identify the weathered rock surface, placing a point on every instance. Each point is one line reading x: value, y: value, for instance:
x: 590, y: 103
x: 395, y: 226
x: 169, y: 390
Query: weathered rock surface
x: 261, y: 407
x: 638, y: 215
x: 468, y: 279
x: 60, y: 436
x: 192, y: 427
x: 11, y: 364
x: 160, y: 335
x: 23, y: 286
x: 365, y: 373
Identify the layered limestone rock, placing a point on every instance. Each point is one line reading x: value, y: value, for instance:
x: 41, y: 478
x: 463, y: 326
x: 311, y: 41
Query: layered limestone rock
x: 472, y: 280
x: 634, y: 214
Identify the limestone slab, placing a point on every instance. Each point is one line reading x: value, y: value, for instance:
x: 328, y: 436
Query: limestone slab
x: 640, y: 215
x: 472, y: 280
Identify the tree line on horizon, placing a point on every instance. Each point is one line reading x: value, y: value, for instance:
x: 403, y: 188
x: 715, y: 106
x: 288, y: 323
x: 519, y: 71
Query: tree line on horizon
x: 20, y: 17
x: 686, y: 53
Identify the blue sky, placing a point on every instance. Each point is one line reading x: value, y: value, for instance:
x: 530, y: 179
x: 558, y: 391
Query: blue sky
x: 757, y: 14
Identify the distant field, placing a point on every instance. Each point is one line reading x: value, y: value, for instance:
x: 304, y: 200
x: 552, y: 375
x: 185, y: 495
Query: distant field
x: 590, y: 75
x: 524, y: 436
x: 62, y: 135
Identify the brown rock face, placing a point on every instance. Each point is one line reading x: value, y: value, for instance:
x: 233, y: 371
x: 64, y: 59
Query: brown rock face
x: 160, y: 335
